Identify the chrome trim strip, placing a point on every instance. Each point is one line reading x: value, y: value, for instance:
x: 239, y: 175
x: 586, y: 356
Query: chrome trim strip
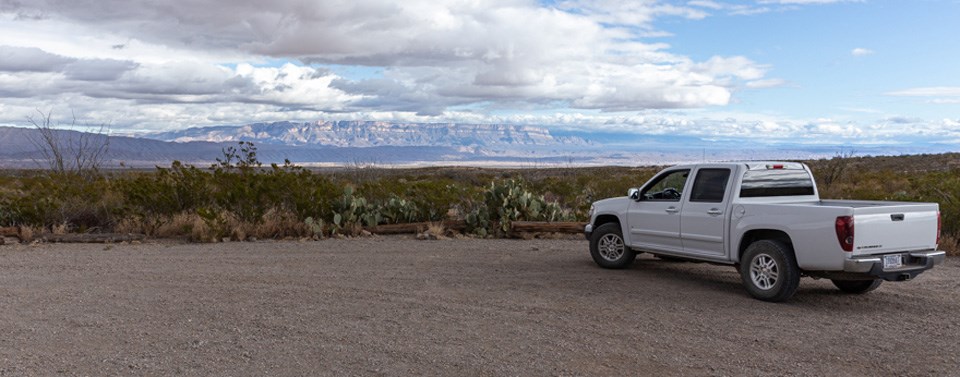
x: 859, y: 264
x: 938, y: 256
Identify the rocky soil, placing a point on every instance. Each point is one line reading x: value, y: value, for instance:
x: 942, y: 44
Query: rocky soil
x: 399, y: 306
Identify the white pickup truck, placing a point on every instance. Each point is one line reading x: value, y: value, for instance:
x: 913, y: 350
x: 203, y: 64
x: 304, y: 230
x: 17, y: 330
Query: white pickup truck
x: 767, y: 219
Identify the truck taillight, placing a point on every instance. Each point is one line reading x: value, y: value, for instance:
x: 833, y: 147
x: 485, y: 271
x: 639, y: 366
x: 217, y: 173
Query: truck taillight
x: 938, y: 227
x: 844, y: 226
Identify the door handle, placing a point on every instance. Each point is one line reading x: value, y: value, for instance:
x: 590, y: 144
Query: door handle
x: 672, y: 210
x: 714, y: 211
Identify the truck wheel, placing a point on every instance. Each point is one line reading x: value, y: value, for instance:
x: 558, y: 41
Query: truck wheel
x: 857, y: 286
x: 769, y: 271
x: 608, y: 249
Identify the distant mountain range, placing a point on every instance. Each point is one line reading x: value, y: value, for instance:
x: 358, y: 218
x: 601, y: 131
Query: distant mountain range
x: 376, y: 134
x: 320, y: 143
x: 365, y: 143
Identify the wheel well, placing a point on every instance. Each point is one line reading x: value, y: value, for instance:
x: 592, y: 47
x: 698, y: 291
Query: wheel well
x: 603, y: 219
x: 762, y: 234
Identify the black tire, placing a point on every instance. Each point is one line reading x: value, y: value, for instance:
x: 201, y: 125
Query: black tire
x: 857, y: 286
x: 769, y: 271
x: 608, y: 249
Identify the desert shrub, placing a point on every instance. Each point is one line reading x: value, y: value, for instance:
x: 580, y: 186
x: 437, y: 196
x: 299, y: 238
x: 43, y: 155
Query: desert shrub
x: 250, y: 192
x: 246, y: 192
x: 397, y: 210
x: 47, y: 199
x: 176, y: 225
x: 275, y: 223
x: 351, y: 212
x: 167, y: 191
x: 239, y: 198
x: 478, y: 220
x: 300, y: 191
x: 432, y: 196
x: 509, y: 200
x: 943, y: 188
x: 9, y: 215
x: 435, y: 198
x: 577, y: 188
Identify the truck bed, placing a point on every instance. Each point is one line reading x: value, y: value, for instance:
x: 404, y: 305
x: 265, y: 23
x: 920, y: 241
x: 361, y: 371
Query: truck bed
x: 879, y: 226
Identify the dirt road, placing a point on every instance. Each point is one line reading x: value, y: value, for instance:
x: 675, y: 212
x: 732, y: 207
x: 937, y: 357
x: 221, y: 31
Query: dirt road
x: 396, y: 306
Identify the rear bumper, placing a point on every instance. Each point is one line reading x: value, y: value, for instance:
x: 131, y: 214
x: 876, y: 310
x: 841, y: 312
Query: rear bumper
x: 588, y: 231
x: 914, y: 263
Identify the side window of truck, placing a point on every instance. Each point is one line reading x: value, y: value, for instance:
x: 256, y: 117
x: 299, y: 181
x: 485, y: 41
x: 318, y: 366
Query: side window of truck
x: 668, y: 187
x: 710, y: 185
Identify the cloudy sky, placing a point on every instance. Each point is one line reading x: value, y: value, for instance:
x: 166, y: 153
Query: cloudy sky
x: 815, y: 71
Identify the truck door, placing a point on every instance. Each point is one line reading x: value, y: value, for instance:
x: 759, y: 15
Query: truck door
x: 702, y: 219
x: 654, y: 219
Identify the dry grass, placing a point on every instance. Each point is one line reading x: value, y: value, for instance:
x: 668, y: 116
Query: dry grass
x: 179, y: 225
x: 281, y: 224
x: 60, y: 229
x: 950, y: 244
x: 275, y: 224
x: 131, y: 225
x: 434, y: 231
x: 201, y: 232
x: 436, y: 228
x: 27, y: 233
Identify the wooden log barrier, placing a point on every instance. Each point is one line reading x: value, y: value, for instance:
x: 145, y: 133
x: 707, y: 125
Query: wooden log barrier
x: 547, y: 226
x: 458, y: 225
x: 10, y: 231
x: 92, y: 237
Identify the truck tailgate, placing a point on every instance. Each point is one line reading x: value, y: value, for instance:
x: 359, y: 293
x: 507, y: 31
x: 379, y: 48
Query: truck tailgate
x: 887, y: 228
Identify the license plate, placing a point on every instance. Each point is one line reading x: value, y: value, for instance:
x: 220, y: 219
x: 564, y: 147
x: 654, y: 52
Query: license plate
x: 892, y: 261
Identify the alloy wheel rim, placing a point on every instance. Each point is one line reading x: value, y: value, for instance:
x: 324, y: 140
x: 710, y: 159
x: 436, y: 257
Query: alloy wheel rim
x: 611, y: 247
x: 764, y: 271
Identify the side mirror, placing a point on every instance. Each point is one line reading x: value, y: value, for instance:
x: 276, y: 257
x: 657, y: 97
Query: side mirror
x: 634, y: 194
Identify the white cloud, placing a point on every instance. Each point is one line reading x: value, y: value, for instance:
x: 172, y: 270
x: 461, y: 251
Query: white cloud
x: 152, y: 65
x: 633, y: 13
x: 746, y: 10
x: 733, y: 9
x: 766, y: 83
x: 737, y: 66
x: 30, y: 59
x: 805, y: 2
x: 945, y: 101
x: 933, y: 91
x: 434, y: 54
x: 707, y: 4
x: 859, y: 51
x: 946, y: 95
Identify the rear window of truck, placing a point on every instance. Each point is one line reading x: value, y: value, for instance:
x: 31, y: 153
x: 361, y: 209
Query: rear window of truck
x: 776, y: 182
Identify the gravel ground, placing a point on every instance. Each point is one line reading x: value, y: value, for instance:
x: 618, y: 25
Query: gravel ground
x: 397, y: 306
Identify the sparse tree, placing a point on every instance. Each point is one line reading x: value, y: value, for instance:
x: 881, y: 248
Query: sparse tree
x: 363, y: 169
x: 833, y: 168
x: 64, y: 153
x: 243, y: 158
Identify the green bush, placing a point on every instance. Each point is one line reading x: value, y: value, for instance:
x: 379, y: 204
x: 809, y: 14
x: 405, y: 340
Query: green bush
x: 238, y: 197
